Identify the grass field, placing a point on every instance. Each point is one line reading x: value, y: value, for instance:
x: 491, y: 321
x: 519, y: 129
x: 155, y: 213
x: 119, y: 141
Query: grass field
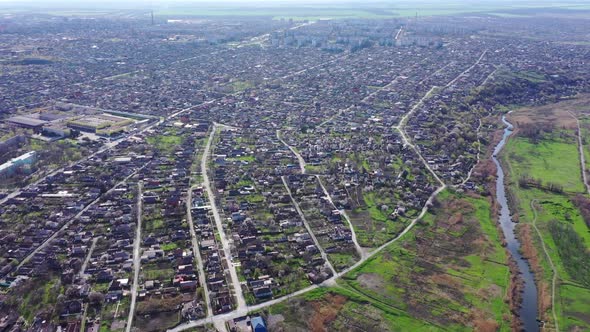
x: 444, y: 289
x: 550, y: 160
x: 239, y: 86
x: 557, y: 162
x: 165, y: 143
x: 372, y: 224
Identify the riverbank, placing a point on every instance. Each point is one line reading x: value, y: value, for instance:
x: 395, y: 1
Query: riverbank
x: 528, y: 308
x: 526, y: 153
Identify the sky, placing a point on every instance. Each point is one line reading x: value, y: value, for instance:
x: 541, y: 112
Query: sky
x: 159, y: 4
x: 164, y: 2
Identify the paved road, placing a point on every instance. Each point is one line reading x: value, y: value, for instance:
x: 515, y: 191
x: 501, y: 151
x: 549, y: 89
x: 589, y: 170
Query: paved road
x: 88, y: 256
x: 309, y: 230
x: 104, y: 148
x: 330, y: 282
x: 399, y: 32
x: 74, y: 218
x: 300, y: 159
x: 406, y: 117
x: 240, y: 301
x: 365, y: 99
x: 467, y: 70
x: 327, y: 283
x: 403, y: 121
x: 220, y: 319
x: 136, y: 257
x: 196, y: 251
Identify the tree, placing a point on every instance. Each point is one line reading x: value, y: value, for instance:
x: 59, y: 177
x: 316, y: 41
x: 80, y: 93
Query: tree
x: 96, y: 298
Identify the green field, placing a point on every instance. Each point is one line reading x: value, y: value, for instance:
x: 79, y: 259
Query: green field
x: 239, y: 86
x: 372, y: 224
x: 553, y: 161
x: 165, y: 143
x: 414, y: 280
x: 550, y: 160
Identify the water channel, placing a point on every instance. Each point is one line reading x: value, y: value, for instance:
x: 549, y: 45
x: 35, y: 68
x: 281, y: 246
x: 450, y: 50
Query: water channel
x: 528, y: 310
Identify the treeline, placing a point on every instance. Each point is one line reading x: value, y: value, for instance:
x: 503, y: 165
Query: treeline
x: 527, y: 182
x: 535, y: 132
x: 583, y: 204
x: 572, y: 250
x: 517, y: 88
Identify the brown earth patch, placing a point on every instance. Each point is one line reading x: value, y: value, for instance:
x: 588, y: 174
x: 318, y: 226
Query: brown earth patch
x: 482, y: 323
x: 371, y: 281
x: 444, y: 279
x: 325, y: 312
x: 492, y: 291
x: 455, y: 235
x: 551, y: 115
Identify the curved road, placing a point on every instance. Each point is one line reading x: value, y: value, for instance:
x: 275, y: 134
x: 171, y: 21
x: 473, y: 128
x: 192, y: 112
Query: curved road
x: 295, y: 152
x: 361, y: 251
x: 328, y: 282
x: 220, y: 319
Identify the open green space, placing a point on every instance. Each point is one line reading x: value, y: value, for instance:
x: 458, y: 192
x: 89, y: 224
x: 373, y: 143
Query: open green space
x: 563, y: 229
x: 551, y: 160
x: 165, y: 143
x: 444, y: 267
x: 372, y: 223
x: 239, y: 86
x: 158, y: 274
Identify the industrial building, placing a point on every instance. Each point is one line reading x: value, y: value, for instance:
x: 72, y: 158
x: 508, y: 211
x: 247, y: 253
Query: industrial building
x: 22, y: 162
x: 26, y: 122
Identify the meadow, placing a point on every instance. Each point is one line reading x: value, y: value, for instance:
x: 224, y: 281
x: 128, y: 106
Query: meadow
x: 552, y: 160
x: 556, y: 161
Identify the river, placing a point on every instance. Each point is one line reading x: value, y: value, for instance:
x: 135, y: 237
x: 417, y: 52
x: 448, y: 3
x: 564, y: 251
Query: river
x: 528, y: 309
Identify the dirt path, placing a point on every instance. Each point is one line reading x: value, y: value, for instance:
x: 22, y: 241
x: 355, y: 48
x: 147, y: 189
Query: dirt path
x: 361, y: 251
x: 581, y: 151
x: 554, y: 279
